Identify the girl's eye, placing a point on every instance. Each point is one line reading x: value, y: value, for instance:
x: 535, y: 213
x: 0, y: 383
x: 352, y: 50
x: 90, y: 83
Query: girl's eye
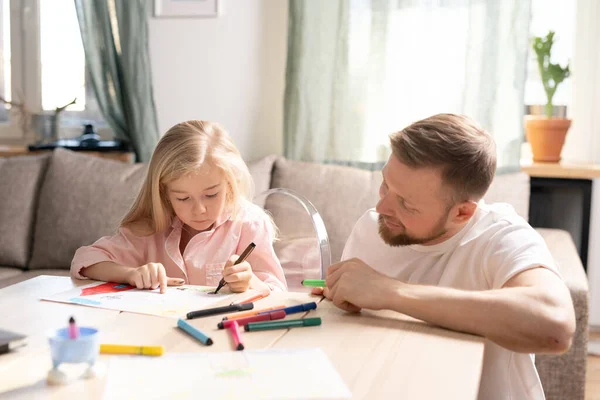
x: 184, y: 199
x: 211, y: 196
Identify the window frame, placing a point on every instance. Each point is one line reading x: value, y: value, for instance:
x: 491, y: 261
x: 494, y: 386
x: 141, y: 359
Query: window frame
x: 26, y: 74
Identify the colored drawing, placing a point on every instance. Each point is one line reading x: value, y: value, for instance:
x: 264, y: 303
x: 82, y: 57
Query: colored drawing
x: 108, y: 287
x: 176, y: 302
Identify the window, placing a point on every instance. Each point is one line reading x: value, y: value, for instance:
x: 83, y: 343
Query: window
x: 41, y: 44
x: 557, y: 16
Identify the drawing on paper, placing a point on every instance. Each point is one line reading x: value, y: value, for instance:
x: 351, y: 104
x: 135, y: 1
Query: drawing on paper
x: 176, y: 302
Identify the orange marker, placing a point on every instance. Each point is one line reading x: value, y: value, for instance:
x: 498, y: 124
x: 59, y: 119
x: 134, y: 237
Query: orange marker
x: 251, y: 299
x: 250, y: 313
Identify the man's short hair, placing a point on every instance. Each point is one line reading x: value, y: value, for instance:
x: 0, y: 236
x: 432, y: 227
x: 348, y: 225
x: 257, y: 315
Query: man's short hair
x: 465, y: 153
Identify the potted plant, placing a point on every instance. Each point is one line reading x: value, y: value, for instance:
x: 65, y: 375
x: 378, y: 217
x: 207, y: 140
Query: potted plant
x: 546, y: 133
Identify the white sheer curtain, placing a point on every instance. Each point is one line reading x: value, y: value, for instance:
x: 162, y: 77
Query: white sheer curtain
x: 402, y: 61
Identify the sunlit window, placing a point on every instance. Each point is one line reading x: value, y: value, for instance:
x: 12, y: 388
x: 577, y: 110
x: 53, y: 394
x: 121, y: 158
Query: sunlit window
x: 62, y: 56
x: 557, y: 16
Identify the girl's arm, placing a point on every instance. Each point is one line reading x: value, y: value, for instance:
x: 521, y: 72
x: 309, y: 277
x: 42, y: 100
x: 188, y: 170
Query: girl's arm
x: 108, y: 271
x: 124, y: 249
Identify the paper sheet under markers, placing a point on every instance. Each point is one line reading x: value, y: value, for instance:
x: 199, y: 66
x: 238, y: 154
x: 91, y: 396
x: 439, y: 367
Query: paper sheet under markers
x: 175, y: 302
x: 261, y: 374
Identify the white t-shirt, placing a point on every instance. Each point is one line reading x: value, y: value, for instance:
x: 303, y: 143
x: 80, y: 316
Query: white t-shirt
x: 493, y: 247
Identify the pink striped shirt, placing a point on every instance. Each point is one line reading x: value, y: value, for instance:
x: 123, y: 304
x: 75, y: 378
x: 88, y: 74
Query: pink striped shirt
x: 205, y: 255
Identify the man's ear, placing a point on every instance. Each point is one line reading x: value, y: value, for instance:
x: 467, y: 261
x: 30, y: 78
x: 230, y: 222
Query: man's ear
x: 463, y: 211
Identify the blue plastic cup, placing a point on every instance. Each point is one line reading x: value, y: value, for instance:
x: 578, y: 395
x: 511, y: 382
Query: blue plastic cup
x: 84, y: 349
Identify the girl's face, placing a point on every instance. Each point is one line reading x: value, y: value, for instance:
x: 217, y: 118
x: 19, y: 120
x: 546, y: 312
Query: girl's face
x: 199, y: 199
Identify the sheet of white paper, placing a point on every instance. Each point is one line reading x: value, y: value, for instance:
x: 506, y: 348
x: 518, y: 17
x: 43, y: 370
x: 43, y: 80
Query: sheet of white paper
x: 175, y: 302
x: 261, y: 374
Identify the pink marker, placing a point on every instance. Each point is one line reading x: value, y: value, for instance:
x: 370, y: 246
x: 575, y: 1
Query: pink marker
x: 73, y: 329
x: 235, y: 333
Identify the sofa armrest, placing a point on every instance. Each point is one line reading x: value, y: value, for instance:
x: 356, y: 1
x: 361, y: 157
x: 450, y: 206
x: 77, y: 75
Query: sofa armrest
x: 563, y: 376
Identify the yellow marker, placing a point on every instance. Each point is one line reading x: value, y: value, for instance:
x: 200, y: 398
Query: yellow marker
x: 126, y: 349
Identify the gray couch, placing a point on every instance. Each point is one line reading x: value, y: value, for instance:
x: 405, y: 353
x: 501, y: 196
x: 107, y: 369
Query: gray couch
x: 52, y: 204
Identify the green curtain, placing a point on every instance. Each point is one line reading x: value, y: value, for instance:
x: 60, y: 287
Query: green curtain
x: 358, y: 70
x: 115, y: 40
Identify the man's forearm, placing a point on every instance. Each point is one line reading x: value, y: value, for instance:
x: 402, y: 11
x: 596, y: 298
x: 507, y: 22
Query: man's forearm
x: 520, y: 319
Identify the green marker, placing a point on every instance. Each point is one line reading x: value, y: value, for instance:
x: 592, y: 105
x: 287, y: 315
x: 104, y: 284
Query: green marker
x: 291, y: 323
x: 314, y: 282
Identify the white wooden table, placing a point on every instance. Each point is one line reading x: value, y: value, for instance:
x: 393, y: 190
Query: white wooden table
x: 378, y: 354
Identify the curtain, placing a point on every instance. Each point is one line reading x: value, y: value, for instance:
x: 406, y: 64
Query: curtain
x: 358, y: 70
x: 115, y: 41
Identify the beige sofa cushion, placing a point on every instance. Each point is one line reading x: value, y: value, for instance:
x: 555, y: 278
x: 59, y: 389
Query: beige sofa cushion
x: 512, y: 189
x: 261, y: 171
x: 9, y: 272
x: 340, y: 194
x: 19, y: 188
x: 81, y: 199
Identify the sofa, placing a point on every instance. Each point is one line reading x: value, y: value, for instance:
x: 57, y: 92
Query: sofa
x: 52, y: 204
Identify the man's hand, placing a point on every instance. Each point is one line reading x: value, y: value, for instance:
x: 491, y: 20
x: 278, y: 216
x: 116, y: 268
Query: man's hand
x: 237, y: 276
x: 151, y: 276
x: 353, y: 285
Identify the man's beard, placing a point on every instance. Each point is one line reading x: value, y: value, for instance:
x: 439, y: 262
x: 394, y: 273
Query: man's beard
x: 403, y: 239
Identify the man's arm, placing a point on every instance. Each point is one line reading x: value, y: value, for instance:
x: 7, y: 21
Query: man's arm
x: 532, y: 313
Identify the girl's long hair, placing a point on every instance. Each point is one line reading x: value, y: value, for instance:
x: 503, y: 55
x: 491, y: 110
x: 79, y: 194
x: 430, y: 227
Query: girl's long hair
x: 183, y: 150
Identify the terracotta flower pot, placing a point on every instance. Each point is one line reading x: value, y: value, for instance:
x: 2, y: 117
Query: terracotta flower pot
x: 546, y: 136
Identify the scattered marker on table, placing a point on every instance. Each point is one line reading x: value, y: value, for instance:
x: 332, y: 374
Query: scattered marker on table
x: 234, y: 328
x: 293, y: 323
x: 297, y: 309
x: 252, y: 312
x: 314, y: 283
x: 220, y: 310
x: 269, y: 316
x: 194, y: 332
x: 135, y: 350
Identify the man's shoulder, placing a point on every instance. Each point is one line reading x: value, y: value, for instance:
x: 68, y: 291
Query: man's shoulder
x: 493, y: 221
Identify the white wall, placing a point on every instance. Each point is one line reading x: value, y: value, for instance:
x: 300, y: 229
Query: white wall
x: 229, y: 69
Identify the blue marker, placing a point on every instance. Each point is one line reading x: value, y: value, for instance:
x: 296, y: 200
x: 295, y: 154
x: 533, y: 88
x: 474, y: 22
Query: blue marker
x: 295, y: 309
x: 183, y: 325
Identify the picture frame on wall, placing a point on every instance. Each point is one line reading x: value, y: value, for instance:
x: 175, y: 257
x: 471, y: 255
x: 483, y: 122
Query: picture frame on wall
x: 186, y: 8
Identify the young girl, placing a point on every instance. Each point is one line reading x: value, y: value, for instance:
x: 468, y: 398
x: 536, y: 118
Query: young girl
x: 189, y: 220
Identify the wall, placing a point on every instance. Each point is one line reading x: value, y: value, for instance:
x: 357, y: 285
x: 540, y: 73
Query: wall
x: 229, y: 69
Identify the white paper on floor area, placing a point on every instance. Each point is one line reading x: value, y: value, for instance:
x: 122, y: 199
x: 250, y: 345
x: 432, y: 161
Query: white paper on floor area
x: 176, y: 302
x: 255, y: 374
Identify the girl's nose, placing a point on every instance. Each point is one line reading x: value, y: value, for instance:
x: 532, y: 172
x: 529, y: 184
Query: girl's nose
x: 199, y: 208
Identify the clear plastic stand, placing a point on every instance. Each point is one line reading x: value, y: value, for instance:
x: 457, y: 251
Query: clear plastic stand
x: 302, y: 245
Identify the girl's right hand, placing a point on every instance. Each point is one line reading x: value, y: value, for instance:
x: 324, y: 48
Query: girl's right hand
x: 152, y: 276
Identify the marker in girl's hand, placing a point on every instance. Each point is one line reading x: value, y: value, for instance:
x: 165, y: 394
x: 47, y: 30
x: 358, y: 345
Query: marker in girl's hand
x: 241, y: 259
x: 73, y: 329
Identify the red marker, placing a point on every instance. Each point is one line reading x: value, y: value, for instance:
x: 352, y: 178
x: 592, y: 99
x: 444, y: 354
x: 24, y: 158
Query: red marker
x: 279, y: 314
x: 235, y: 333
x: 73, y: 329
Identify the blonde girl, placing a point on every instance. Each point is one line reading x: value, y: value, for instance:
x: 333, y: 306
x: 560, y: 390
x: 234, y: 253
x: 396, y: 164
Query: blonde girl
x: 190, y: 220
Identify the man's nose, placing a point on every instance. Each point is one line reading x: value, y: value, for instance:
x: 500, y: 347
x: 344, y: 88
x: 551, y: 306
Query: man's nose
x: 382, y: 206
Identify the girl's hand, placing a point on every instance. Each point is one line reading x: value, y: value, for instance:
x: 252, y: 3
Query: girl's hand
x: 152, y: 276
x: 237, y: 276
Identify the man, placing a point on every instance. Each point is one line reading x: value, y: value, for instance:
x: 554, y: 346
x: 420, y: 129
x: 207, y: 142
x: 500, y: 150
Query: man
x: 432, y: 249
